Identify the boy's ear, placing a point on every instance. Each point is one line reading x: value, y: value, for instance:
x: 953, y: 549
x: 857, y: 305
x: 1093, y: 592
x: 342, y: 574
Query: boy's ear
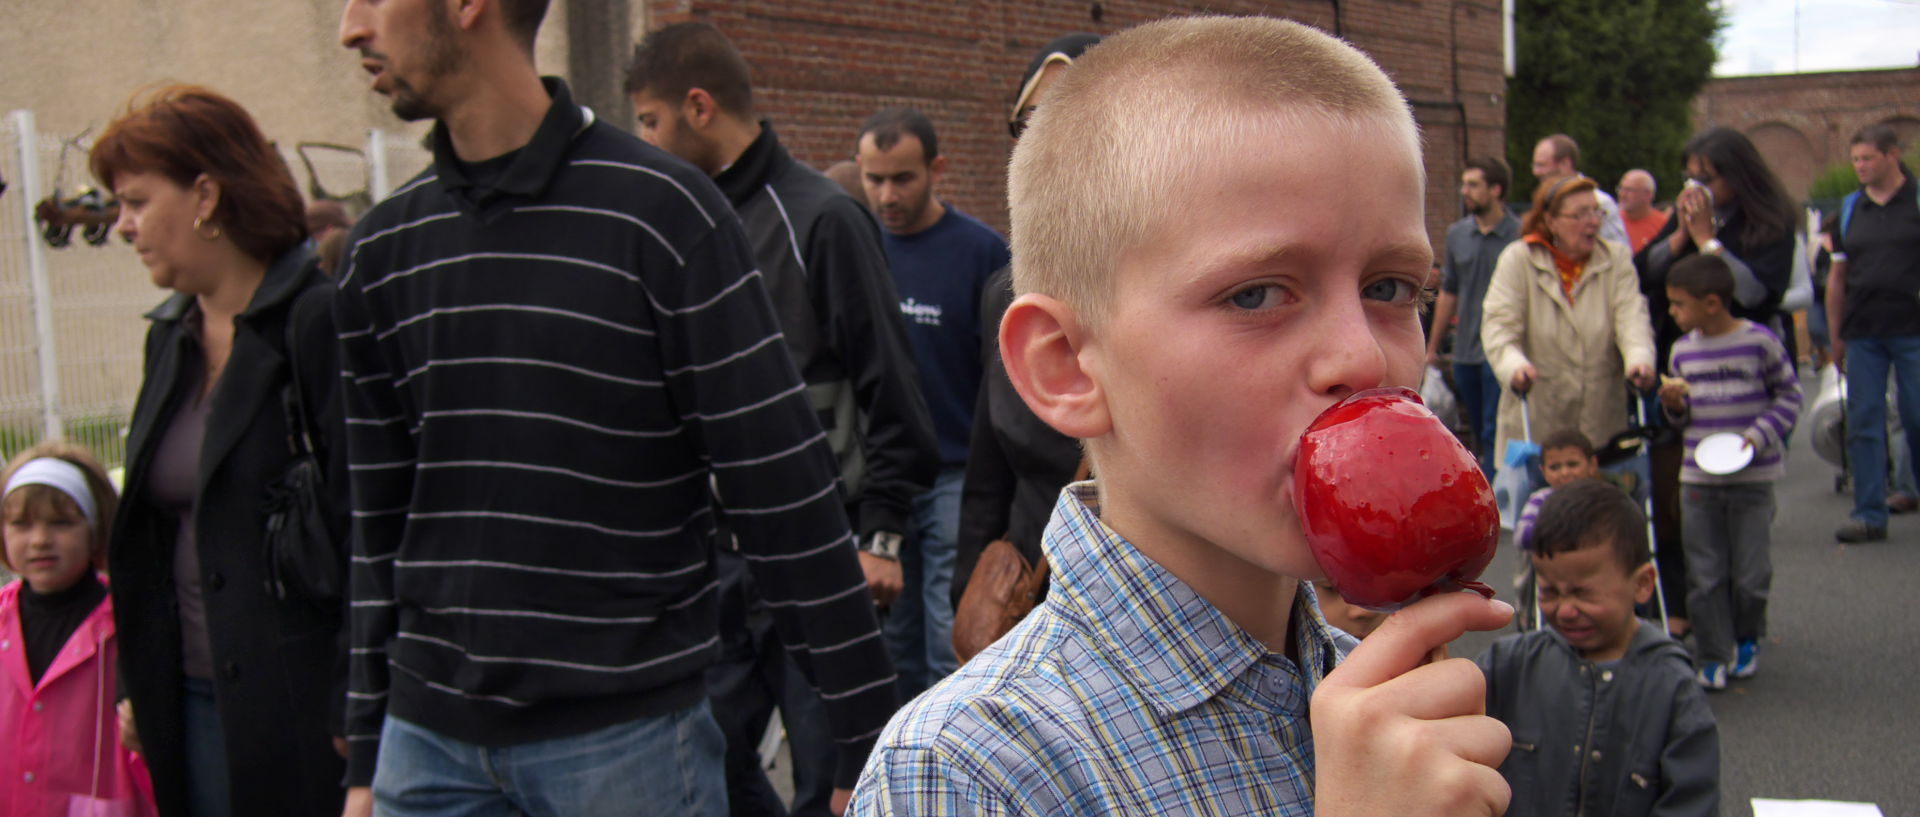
x: 1643, y: 579
x: 1040, y: 343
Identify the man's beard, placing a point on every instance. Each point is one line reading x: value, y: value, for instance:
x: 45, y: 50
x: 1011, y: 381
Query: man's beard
x: 442, y: 57
x: 1478, y: 208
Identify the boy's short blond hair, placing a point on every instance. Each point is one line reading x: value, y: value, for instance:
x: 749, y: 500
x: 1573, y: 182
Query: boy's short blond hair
x: 1098, y: 170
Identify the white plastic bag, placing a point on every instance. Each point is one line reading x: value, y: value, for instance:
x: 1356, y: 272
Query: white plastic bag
x: 1439, y: 398
x: 1799, y: 294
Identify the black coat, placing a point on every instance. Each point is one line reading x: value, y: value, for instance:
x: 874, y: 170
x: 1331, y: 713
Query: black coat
x: 278, y: 664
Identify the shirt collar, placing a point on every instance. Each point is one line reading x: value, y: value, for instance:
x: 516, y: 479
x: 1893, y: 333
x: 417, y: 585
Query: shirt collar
x: 1509, y: 227
x: 537, y: 162
x: 748, y: 173
x: 1173, y: 645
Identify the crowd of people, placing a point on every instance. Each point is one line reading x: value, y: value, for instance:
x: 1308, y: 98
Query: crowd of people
x: 544, y: 485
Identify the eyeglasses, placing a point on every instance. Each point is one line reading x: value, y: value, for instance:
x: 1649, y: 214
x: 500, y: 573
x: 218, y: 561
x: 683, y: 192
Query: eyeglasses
x: 1582, y: 214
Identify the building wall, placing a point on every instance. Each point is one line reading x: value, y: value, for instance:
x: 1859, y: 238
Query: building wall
x: 74, y: 64
x: 821, y: 66
x: 1802, y: 123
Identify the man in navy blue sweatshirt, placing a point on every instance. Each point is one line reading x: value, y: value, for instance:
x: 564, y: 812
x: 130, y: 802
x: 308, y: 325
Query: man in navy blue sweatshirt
x: 941, y: 259
x: 560, y: 370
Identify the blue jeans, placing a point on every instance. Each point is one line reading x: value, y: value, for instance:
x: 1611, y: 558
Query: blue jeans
x: 670, y: 764
x: 1479, y: 392
x: 209, y: 791
x: 1868, y: 361
x: 919, y: 626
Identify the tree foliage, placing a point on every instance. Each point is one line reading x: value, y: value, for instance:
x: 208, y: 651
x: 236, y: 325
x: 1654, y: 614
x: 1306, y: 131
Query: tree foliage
x: 1619, y: 76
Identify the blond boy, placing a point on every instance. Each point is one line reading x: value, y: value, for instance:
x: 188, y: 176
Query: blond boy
x: 1217, y: 233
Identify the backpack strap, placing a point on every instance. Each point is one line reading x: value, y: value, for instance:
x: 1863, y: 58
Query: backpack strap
x: 1846, y: 211
x: 293, y: 399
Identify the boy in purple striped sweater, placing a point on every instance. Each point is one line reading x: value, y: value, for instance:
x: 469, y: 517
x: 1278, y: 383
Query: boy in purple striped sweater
x: 1731, y: 375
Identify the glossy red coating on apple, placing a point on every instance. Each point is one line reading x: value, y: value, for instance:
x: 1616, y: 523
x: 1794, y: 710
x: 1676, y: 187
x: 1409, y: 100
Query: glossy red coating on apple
x: 1393, y: 506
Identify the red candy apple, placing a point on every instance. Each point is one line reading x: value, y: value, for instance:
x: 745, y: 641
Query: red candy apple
x: 1393, y: 506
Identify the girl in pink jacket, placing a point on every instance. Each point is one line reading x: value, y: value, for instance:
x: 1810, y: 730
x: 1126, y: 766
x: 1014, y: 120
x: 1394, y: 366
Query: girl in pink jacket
x: 60, y: 750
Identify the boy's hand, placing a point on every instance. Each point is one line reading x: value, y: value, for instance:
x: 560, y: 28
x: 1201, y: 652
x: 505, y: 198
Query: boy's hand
x: 1395, y: 735
x: 1673, y: 393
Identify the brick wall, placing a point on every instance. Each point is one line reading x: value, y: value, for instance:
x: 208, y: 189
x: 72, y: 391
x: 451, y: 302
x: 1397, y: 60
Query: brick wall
x: 821, y: 66
x: 1803, y: 122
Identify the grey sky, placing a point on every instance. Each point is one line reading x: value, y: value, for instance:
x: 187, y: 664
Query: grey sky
x: 1835, y: 35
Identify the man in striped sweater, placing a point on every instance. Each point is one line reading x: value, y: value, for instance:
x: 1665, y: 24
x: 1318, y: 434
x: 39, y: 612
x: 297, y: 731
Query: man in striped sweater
x: 1732, y: 375
x: 561, y: 368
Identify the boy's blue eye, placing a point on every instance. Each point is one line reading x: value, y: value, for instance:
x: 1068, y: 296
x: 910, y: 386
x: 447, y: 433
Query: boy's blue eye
x: 1389, y: 289
x: 1254, y: 297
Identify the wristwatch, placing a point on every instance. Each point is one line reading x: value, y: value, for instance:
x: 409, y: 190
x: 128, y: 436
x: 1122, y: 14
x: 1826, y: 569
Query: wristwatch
x: 884, y: 544
x: 1712, y: 247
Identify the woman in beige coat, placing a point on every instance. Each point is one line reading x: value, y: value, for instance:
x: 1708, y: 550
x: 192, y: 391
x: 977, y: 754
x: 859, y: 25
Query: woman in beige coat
x: 1564, y: 321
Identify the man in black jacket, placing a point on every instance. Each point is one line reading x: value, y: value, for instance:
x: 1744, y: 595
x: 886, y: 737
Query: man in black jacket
x: 826, y: 271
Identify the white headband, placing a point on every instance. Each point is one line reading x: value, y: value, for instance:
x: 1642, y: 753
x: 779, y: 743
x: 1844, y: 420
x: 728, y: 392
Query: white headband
x: 62, y: 475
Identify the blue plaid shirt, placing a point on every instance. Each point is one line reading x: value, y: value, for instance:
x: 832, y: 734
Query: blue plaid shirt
x: 1125, y: 693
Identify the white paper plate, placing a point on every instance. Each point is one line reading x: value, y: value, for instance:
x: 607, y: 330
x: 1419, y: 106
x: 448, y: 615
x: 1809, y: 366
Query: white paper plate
x: 1722, y: 453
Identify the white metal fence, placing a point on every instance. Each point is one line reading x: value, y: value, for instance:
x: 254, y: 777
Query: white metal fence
x: 71, y: 332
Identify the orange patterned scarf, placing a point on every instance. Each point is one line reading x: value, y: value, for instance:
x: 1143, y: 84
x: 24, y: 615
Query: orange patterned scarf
x: 1569, y: 269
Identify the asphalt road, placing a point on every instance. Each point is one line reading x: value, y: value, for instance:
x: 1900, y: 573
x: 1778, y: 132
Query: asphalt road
x: 1835, y: 709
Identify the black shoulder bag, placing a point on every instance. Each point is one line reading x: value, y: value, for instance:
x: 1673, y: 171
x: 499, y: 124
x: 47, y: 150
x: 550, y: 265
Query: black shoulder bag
x: 303, y: 556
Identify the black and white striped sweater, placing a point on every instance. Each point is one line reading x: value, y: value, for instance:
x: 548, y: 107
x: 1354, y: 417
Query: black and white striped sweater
x: 547, y: 379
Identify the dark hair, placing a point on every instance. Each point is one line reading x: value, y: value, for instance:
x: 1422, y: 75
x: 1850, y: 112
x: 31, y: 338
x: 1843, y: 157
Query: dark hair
x: 888, y: 125
x: 1548, y: 198
x: 1701, y: 275
x: 1770, y: 214
x: 1882, y: 137
x: 1830, y: 223
x: 681, y: 57
x: 1494, y: 170
x: 184, y: 131
x: 523, y: 19
x: 1567, y: 438
x: 1564, y: 149
x: 1588, y: 513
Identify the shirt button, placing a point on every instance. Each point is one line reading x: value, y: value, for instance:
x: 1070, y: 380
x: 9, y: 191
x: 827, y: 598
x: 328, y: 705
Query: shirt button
x: 215, y: 581
x: 1606, y: 676
x: 231, y: 670
x: 4, y: 644
x: 27, y: 777
x: 37, y: 705
x: 1595, y: 755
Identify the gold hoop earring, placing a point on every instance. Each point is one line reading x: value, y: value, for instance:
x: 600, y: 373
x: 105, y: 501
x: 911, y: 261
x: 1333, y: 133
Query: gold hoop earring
x: 198, y: 222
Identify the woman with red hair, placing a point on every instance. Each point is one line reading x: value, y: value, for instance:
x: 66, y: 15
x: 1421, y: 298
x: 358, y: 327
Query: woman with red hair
x: 230, y: 687
x: 1564, y: 322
